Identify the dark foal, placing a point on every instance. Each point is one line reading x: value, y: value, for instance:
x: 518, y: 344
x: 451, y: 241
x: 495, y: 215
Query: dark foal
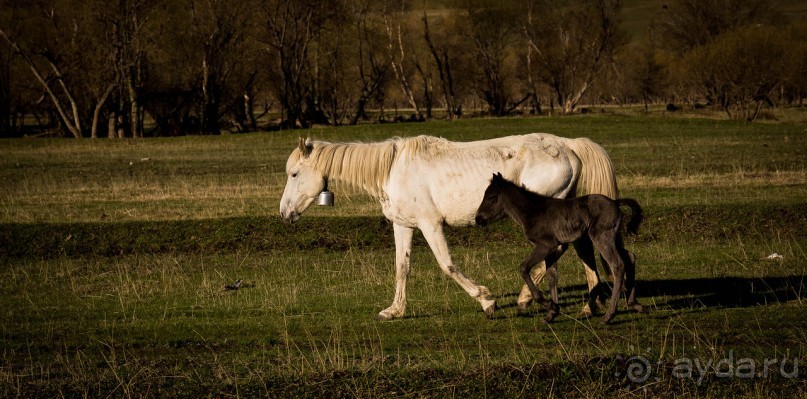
x: 551, y: 224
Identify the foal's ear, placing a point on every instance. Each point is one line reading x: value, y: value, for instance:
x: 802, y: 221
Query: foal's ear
x: 306, y: 146
x: 497, y: 177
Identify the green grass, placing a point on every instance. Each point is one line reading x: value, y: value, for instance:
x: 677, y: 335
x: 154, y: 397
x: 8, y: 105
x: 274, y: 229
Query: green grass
x: 114, y: 257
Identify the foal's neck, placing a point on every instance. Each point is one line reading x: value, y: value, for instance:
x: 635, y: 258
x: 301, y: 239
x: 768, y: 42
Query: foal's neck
x: 518, y: 203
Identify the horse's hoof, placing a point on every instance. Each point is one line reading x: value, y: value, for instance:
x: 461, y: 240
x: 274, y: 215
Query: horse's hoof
x: 386, y: 315
x: 490, y: 310
x: 607, y: 318
x: 383, y: 317
x: 586, y: 312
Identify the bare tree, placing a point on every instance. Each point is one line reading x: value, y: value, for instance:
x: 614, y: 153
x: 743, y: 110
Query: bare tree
x: 47, y: 70
x: 493, y: 34
x: 443, y: 62
x: 5, y: 92
x: 739, y: 70
x: 291, y: 28
x: 397, y: 54
x: 219, y: 28
x: 372, y: 70
x: 129, y: 57
x: 572, y: 45
x: 686, y: 24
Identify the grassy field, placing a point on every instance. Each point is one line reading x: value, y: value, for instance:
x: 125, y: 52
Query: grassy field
x: 114, y: 256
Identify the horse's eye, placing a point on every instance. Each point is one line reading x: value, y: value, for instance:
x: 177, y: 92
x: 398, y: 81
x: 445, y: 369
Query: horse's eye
x: 294, y: 175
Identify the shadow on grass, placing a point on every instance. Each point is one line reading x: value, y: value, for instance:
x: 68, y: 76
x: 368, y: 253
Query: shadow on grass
x: 685, y: 294
x: 729, y: 292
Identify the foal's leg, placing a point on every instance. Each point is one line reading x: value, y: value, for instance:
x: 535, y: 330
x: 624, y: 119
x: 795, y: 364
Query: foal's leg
x: 538, y: 273
x: 403, y: 247
x: 552, y: 280
x: 630, y: 278
x: 433, y: 233
x: 525, y: 296
x: 605, y: 241
x: 585, y: 251
x: 540, y: 251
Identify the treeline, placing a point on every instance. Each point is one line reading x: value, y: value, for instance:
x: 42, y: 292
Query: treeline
x: 99, y: 68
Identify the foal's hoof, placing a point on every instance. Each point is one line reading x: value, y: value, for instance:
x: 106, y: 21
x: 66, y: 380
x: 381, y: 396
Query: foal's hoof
x: 586, y: 312
x: 551, y: 315
x: 638, y: 308
x: 607, y: 318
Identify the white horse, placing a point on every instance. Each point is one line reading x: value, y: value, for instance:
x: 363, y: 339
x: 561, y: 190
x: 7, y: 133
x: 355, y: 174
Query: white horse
x: 426, y: 182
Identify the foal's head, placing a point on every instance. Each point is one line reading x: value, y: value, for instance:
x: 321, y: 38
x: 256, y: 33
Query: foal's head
x: 491, y: 208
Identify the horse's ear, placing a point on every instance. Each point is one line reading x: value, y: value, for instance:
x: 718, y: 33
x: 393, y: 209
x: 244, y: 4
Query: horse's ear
x: 497, y: 177
x: 306, y: 146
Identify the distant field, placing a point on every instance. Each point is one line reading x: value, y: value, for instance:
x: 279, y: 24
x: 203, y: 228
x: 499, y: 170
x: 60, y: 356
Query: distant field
x: 114, y: 255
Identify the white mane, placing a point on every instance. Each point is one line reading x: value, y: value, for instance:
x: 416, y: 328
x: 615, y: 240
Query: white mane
x: 364, y: 165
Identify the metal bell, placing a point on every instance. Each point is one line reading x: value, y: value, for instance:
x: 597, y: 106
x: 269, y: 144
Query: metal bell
x: 325, y: 198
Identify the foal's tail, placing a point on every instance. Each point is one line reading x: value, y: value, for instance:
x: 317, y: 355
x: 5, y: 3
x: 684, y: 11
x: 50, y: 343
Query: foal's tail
x: 636, y: 216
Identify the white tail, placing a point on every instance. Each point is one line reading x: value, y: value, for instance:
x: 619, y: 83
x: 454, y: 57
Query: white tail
x: 597, y: 174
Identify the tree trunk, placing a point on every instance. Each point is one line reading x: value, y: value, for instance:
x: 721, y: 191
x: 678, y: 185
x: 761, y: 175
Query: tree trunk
x: 97, y: 114
x: 249, y: 109
x: 428, y: 102
x: 111, y: 133
x: 396, y: 40
x: 210, y: 102
x: 5, y: 96
x: 441, y: 60
x: 134, y: 105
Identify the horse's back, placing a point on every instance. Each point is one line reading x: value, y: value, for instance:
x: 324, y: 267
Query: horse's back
x: 452, y: 176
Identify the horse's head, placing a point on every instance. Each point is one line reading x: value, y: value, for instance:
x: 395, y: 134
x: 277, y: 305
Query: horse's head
x: 303, y: 184
x: 491, y: 209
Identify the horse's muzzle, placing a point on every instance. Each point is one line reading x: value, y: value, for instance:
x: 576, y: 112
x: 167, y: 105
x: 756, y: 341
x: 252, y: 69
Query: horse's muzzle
x: 481, y: 221
x: 291, y: 217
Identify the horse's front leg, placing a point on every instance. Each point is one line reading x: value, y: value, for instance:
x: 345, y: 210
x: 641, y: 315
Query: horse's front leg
x: 433, y: 233
x: 403, y: 249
